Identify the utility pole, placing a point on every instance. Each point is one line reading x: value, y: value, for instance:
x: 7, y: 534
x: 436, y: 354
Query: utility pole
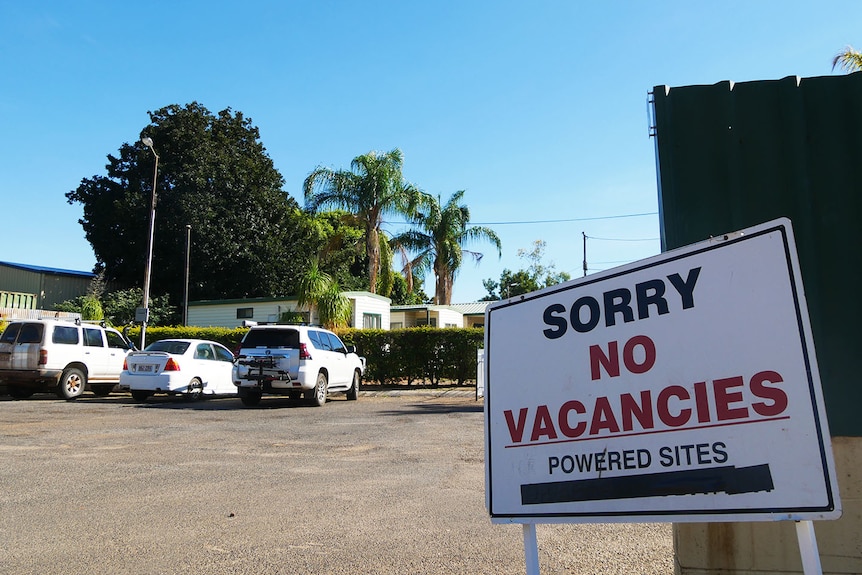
x: 585, y: 253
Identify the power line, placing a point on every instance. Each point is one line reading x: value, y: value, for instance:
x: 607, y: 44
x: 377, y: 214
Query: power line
x: 618, y: 216
x: 624, y: 239
x: 523, y: 222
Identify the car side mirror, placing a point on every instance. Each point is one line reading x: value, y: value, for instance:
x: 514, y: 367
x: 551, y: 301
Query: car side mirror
x: 351, y: 349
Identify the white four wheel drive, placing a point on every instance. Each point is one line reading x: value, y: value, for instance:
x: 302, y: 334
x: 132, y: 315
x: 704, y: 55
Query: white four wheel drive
x: 61, y: 356
x: 297, y: 361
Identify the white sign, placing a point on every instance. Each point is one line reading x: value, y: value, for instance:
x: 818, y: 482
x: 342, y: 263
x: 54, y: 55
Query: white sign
x: 683, y: 387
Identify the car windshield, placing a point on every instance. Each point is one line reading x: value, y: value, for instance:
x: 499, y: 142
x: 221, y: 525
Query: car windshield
x: 174, y: 347
x: 272, y: 338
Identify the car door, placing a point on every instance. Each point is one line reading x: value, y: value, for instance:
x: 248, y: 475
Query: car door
x: 118, y: 348
x: 95, y: 354
x: 206, y: 366
x: 340, y: 372
x: 223, y: 380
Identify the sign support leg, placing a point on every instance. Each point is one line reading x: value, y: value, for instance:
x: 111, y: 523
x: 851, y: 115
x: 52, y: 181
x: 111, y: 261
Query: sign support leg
x: 808, y: 548
x: 531, y: 549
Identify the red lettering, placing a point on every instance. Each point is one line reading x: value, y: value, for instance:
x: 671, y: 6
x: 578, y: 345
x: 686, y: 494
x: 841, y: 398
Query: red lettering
x: 610, y: 362
x: 629, y: 354
x: 642, y: 412
x: 603, y: 417
x: 775, y: 394
x: 516, y: 430
x: 544, y: 425
x: 663, y: 406
x: 723, y: 398
x: 563, y: 420
x: 701, y: 402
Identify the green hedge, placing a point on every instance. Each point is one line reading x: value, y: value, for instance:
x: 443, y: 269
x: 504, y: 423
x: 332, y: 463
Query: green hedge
x: 421, y: 354
x: 426, y: 354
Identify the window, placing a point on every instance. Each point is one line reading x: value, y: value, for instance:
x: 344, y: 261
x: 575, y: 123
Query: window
x: 115, y: 340
x: 372, y: 321
x: 265, y: 337
x: 93, y: 338
x: 244, y: 312
x: 11, y: 333
x: 66, y: 335
x: 204, y: 351
x: 31, y: 333
x: 334, y: 343
x: 319, y: 340
x: 223, y: 355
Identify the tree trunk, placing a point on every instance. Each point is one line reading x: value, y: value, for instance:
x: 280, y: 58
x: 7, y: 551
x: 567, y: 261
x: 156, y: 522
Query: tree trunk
x: 372, y: 250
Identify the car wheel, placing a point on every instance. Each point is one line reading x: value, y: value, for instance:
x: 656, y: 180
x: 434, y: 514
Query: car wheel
x: 16, y: 392
x: 251, y: 398
x: 195, y: 390
x: 140, y: 394
x: 102, y: 390
x: 353, y: 392
x: 72, y: 383
x: 317, y: 396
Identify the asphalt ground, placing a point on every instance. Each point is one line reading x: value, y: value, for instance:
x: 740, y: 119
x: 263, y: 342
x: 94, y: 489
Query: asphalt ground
x: 392, y: 484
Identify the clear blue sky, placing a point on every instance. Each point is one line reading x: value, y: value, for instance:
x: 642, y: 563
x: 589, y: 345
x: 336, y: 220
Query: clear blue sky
x: 537, y: 109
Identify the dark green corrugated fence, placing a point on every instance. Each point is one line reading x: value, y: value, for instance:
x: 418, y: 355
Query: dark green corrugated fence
x: 735, y: 155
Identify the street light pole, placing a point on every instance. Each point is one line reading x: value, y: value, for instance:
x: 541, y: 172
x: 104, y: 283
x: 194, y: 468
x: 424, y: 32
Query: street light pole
x: 186, y: 288
x: 148, y: 142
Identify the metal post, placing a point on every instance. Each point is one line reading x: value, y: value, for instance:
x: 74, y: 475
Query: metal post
x: 585, y: 253
x: 531, y: 549
x: 808, y: 548
x: 186, y: 288
x: 146, y: 303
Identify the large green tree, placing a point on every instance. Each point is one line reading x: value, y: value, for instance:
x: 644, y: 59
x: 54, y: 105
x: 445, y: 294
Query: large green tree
x: 373, y: 188
x: 249, y: 238
x: 439, y: 242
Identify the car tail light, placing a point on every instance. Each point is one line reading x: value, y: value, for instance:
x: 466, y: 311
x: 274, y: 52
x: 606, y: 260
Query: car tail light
x: 303, y: 352
x: 171, y: 365
x: 43, y: 356
x: 125, y: 364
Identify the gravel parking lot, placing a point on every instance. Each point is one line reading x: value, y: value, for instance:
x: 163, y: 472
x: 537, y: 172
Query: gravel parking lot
x: 389, y: 484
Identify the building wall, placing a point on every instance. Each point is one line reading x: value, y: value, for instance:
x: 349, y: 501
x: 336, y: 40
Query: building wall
x: 370, y: 309
x: 224, y: 313
x: 734, y: 155
x: 49, y: 287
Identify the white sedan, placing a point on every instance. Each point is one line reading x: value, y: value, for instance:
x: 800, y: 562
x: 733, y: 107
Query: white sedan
x: 187, y: 367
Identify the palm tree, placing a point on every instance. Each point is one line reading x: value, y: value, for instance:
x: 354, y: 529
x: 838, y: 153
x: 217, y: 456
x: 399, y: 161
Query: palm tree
x: 439, y: 242
x: 849, y: 60
x: 373, y: 188
x: 317, y: 289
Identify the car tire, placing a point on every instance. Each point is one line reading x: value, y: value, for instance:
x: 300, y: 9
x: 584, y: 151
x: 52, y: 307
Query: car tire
x: 353, y: 392
x: 251, y: 398
x: 102, y: 390
x: 140, y: 394
x: 16, y: 392
x: 317, y: 396
x: 195, y: 390
x: 72, y: 384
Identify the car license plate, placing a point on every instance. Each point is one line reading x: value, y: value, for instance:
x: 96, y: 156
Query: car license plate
x: 144, y: 368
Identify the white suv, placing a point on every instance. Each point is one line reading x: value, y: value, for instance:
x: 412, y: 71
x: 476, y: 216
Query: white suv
x: 297, y: 361
x: 62, y: 356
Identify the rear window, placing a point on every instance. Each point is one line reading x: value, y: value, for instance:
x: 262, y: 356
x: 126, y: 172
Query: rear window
x: 65, y: 334
x: 10, y: 333
x: 168, y: 346
x: 288, y: 338
x: 31, y: 333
